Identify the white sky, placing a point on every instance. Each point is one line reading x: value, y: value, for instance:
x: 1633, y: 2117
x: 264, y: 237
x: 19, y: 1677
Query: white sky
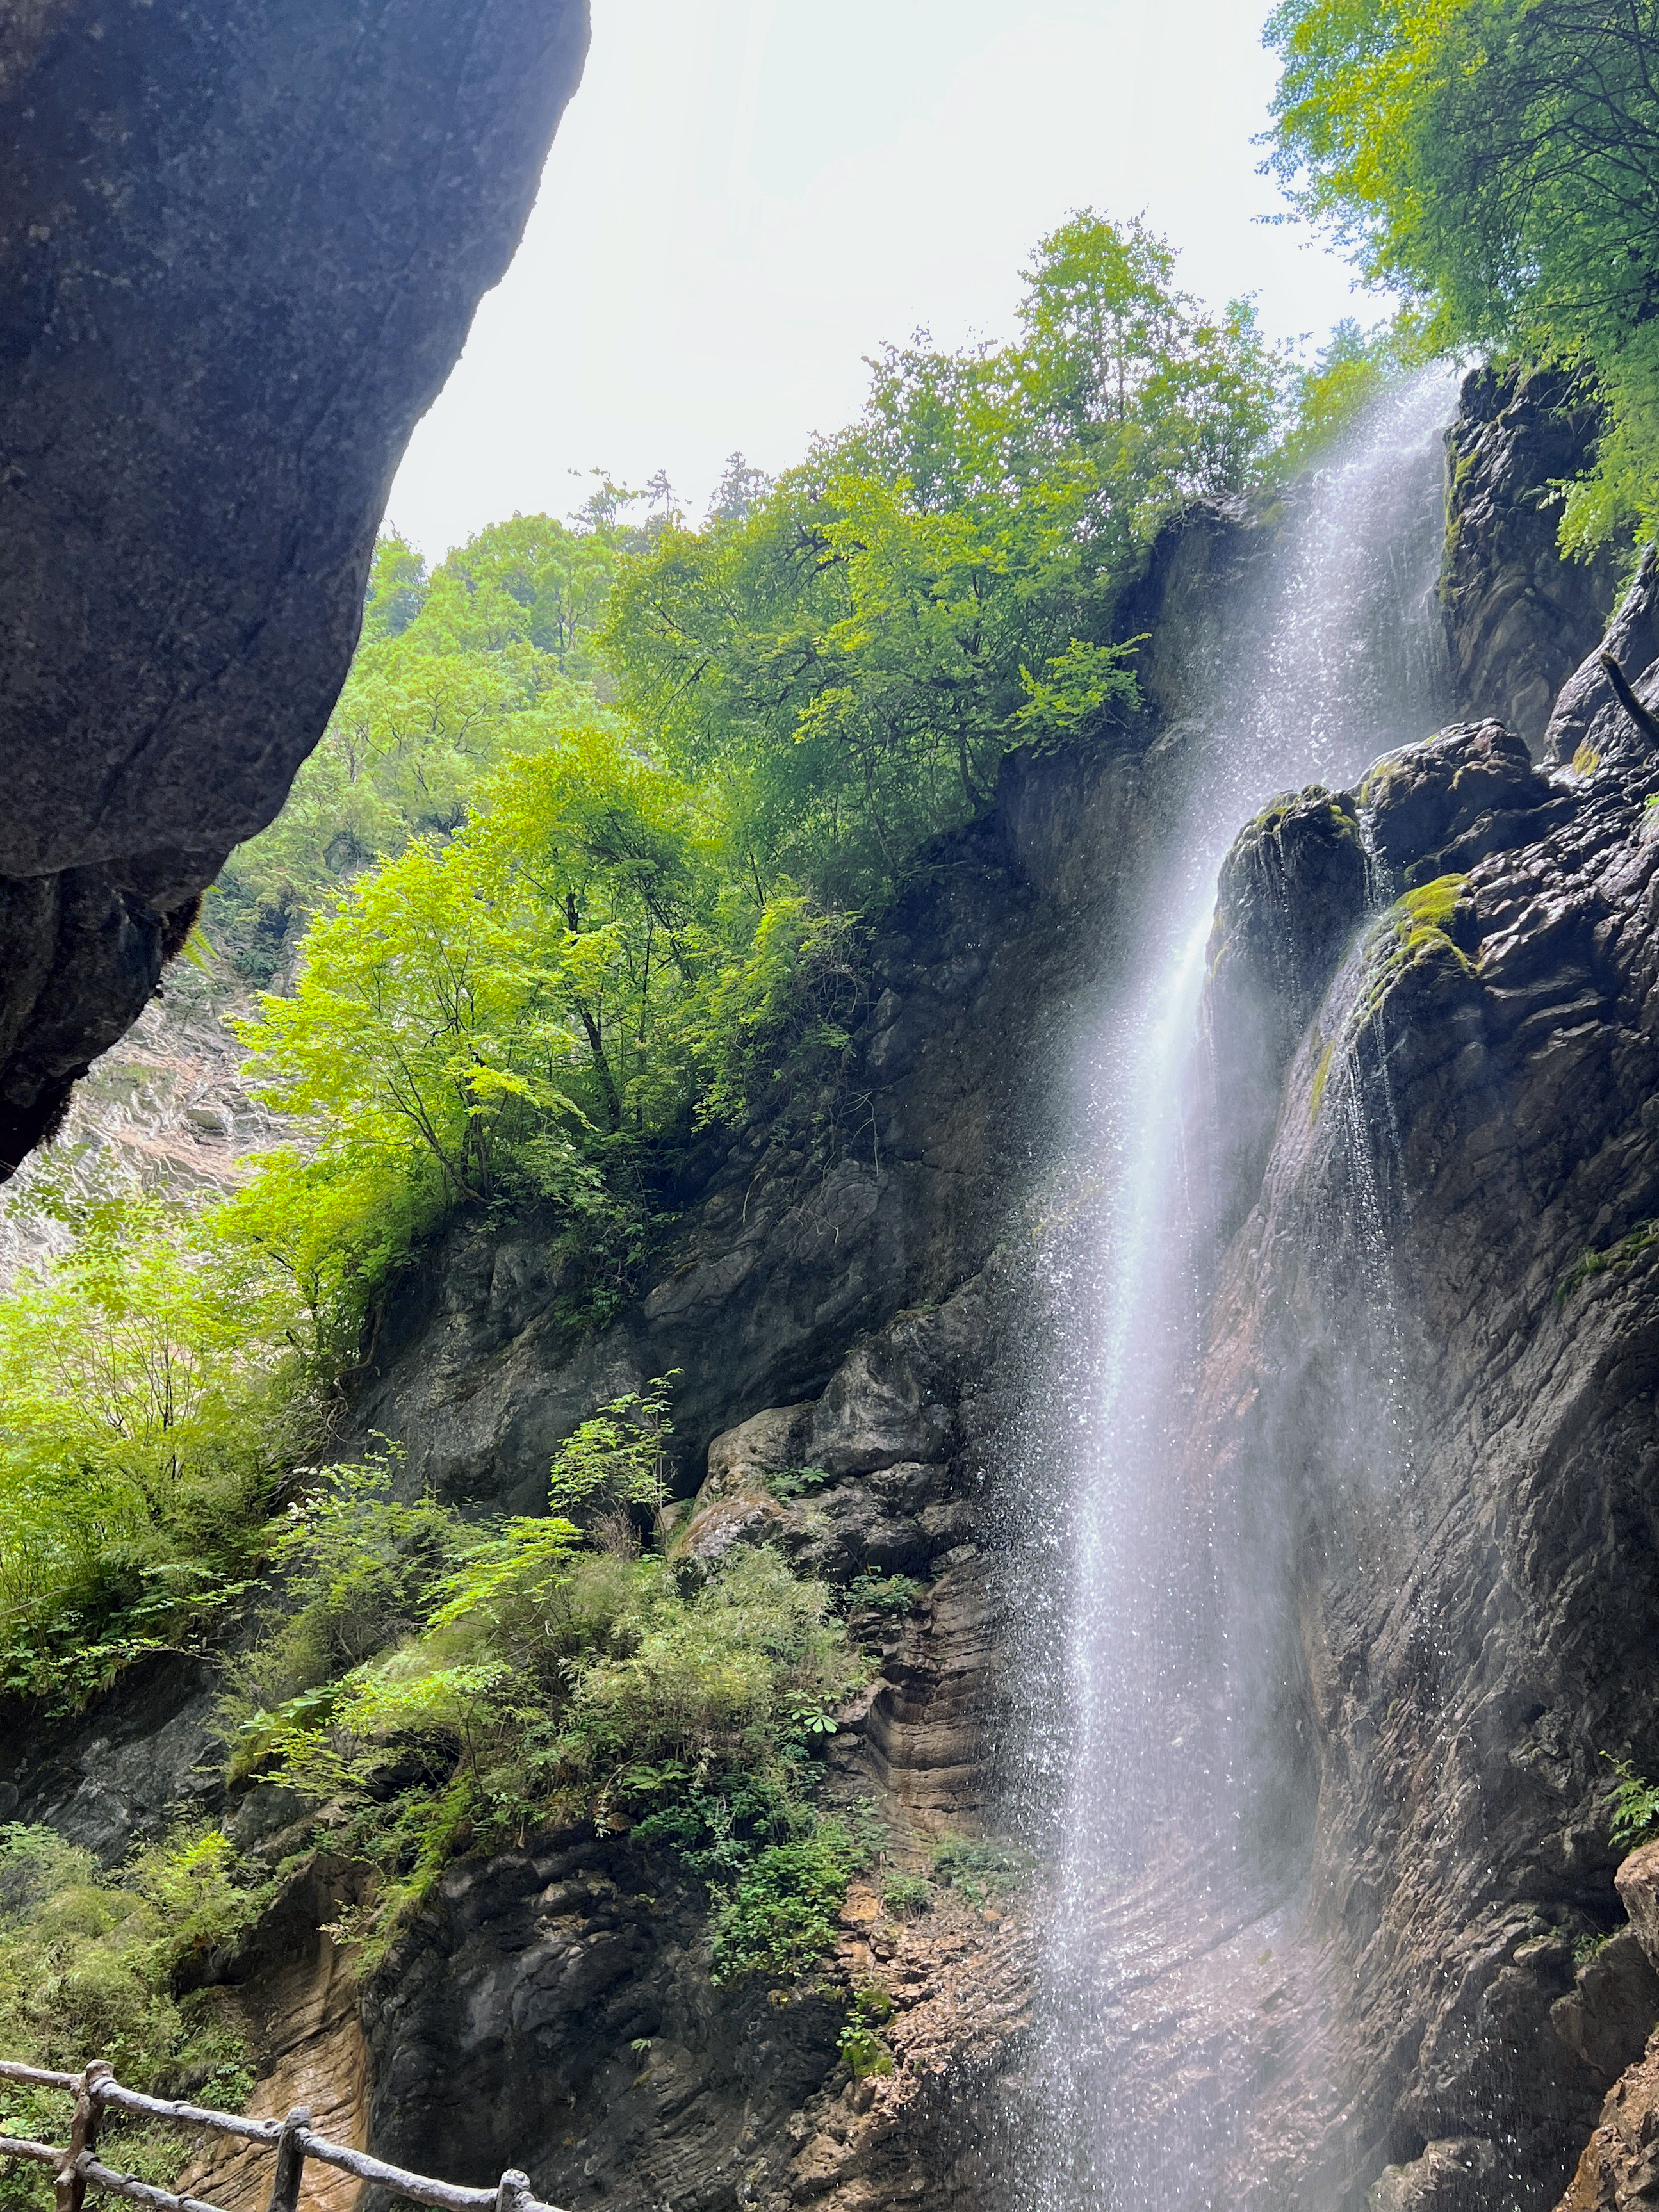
x: 748, y: 196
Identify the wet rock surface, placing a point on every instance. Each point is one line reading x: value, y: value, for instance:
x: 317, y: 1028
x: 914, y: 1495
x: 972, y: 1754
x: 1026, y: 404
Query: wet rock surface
x: 1518, y: 619
x: 1442, y: 1299
x: 1291, y: 893
x: 242, y: 249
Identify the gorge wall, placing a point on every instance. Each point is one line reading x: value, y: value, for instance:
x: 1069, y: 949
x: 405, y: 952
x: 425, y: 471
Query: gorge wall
x: 1360, y: 1962
x: 242, y: 245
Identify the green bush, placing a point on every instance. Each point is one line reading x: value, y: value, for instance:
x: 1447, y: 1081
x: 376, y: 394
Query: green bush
x: 442, y: 1685
x: 779, y: 1916
x: 860, y: 2043
x: 979, y: 1868
x: 908, y: 1895
x: 1633, y: 1805
x: 87, y: 1967
x: 884, y: 1594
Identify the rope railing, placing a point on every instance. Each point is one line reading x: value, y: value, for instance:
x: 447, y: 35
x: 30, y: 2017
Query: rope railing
x: 77, y: 2168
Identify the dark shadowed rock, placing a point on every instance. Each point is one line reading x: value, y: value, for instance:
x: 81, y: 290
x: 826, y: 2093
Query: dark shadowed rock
x: 146, y: 1754
x: 1588, y: 712
x: 242, y: 244
x: 1436, y: 809
x: 1518, y: 617
x: 1291, y: 894
x: 1448, y: 1410
x: 1614, y: 2006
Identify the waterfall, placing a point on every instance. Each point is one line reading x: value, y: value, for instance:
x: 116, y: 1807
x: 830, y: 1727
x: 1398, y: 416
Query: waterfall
x: 1155, y: 1729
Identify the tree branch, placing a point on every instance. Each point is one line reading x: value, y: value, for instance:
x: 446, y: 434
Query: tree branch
x: 1647, y: 723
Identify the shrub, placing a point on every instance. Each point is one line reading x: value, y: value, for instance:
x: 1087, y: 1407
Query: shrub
x: 780, y: 1918
x: 541, y: 1680
x: 886, y: 1594
x: 978, y: 1868
x: 1634, y: 1806
x: 86, y: 1962
x: 859, y: 2042
x: 908, y: 1895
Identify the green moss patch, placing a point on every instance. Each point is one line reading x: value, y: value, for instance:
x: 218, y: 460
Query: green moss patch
x: 1322, y: 1073
x: 1641, y: 1239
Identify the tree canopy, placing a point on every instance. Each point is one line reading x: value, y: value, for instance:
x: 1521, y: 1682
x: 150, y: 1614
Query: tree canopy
x: 1497, y: 163
x: 841, y: 660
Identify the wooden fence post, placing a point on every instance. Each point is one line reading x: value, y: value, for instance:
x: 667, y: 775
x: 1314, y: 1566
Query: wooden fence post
x: 290, y: 2161
x: 513, y: 2192
x: 70, y: 2187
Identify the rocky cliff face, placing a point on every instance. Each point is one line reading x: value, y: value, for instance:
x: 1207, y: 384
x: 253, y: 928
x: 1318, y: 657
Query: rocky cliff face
x: 242, y: 249
x: 1452, y: 1227
x: 1432, y: 1180
x: 1517, y: 617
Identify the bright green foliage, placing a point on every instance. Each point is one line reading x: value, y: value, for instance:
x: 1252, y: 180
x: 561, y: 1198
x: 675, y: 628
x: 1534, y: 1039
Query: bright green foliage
x: 907, y: 1896
x: 779, y: 1917
x: 886, y: 1593
x: 1350, y: 372
x: 150, y: 1392
x: 1634, y: 1806
x: 844, y: 664
x: 361, y: 1564
x: 1638, y: 1243
x: 492, y: 656
x: 87, y: 1965
x: 521, y: 978
x: 519, y: 1012
x: 540, y: 1680
x: 861, y: 2042
x: 1497, y: 162
x: 737, y: 1676
x: 615, y: 1461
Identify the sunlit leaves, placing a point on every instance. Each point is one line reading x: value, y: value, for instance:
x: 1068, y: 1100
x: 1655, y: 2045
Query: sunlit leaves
x: 1497, y: 162
x: 844, y: 663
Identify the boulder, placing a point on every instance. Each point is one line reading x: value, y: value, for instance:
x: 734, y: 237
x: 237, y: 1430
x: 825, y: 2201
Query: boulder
x: 1637, y: 1884
x: 1454, y: 2175
x: 1606, y: 2017
x: 1436, y: 808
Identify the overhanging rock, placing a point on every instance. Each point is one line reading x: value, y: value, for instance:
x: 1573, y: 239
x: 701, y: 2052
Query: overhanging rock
x: 242, y: 242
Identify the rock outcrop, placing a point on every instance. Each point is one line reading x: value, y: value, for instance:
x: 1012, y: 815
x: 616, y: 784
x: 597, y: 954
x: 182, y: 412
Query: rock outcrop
x: 1518, y: 619
x: 242, y: 246
x: 1431, y: 1370
x: 1620, y: 2168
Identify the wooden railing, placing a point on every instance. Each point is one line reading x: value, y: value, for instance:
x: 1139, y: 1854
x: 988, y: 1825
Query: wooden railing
x: 77, y: 2168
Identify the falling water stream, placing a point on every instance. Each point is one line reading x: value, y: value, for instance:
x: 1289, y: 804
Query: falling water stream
x: 1327, y: 658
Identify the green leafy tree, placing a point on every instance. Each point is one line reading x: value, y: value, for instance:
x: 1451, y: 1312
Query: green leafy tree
x: 1497, y: 163
x: 842, y: 662
x: 493, y: 655
x: 150, y: 1393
